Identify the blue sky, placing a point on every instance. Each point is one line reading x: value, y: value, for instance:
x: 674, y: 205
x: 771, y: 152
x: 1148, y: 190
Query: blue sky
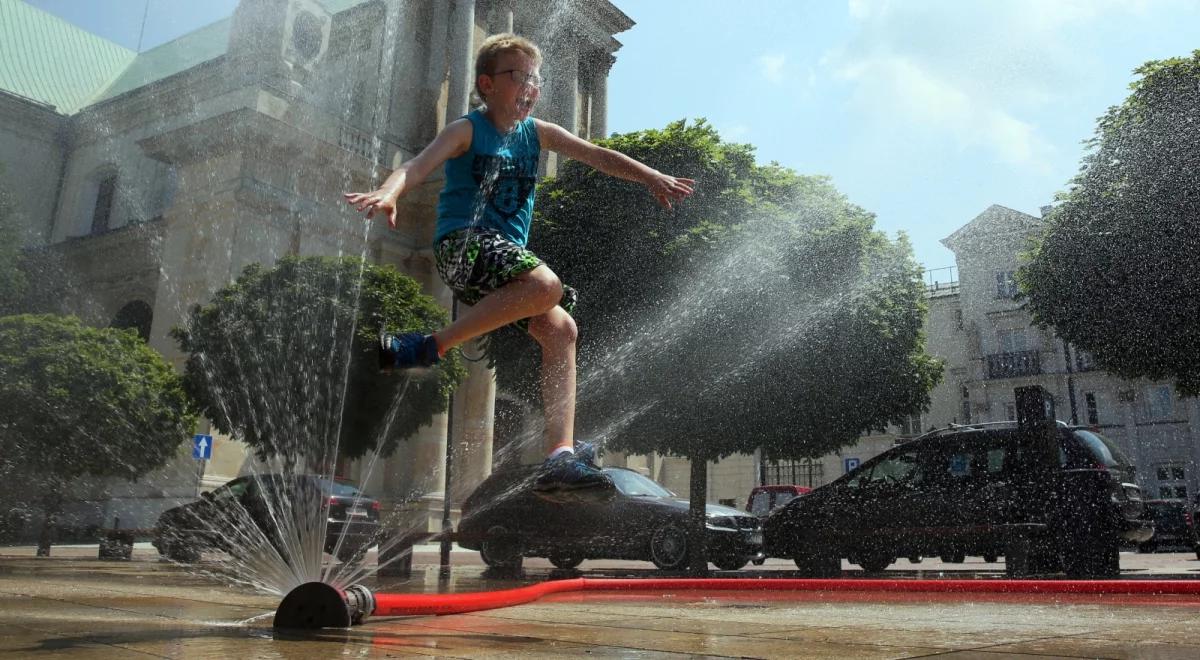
x: 923, y: 111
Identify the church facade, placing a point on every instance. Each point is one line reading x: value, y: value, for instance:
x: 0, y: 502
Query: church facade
x: 156, y: 177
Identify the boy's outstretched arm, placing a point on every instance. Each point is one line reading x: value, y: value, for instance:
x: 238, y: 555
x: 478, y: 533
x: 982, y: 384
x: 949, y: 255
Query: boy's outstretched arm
x: 665, y: 188
x: 453, y: 141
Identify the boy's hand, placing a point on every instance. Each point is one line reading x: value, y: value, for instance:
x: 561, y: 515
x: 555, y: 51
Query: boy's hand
x: 667, y: 189
x: 381, y: 201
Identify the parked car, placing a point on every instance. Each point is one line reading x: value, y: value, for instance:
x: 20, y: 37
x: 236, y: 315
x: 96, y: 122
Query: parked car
x: 765, y: 499
x: 274, y: 509
x: 505, y: 521
x: 1173, y: 526
x: 985, y: 489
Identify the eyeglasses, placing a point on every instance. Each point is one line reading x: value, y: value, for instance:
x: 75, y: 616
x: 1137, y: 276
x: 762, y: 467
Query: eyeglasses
x: 522, y: 78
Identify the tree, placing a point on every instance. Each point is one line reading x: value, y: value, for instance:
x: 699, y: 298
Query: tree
x: 1115, y: 272
x: 77, y: 400
x: 765, y: 312
x: 285, y: 359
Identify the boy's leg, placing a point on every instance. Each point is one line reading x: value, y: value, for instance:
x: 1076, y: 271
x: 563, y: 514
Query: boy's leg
x: 556, y: 332
x: 530, y: 294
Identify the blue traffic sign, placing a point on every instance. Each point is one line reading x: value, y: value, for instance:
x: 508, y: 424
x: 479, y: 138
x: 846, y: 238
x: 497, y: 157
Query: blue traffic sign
x: 850, y: 463
x: 202, y: 446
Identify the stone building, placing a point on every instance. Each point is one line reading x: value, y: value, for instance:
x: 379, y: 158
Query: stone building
x: 157, y: 176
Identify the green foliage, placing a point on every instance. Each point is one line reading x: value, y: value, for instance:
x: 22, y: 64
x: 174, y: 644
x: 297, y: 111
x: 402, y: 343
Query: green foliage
x: 1115, y: 273
x: 77, y: 400
x: 285, y: 359
x: 765, y: 311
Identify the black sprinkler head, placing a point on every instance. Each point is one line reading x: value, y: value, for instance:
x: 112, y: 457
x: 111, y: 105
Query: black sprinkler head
x: 318, y: 605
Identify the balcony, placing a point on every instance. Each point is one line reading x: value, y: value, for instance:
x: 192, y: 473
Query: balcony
x: 1013, y: 365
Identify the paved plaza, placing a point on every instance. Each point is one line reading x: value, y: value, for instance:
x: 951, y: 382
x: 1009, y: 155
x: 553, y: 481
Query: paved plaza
x: 75, y: 606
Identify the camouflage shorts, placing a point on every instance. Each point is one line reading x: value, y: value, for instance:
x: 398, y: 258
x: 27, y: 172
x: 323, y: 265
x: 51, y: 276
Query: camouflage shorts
x: 476, y: 262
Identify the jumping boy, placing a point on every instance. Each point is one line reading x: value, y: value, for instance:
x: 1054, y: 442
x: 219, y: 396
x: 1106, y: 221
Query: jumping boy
x: 484, y: 212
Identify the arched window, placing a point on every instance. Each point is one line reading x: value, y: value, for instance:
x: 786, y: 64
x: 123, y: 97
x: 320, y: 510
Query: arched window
x: 106, y: 193
x: 136, y: 315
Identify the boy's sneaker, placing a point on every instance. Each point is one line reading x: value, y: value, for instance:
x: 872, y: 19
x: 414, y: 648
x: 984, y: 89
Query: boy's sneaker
x: 407, y: 350
x: 574, y: 477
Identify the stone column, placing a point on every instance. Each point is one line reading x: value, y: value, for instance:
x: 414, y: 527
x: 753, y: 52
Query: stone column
x: 598, y: 112
x: 474, y: 412
x: 500, y: 17
x: 462, y: 31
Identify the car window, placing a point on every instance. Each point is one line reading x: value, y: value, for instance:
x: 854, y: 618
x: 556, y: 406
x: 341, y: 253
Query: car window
x: 635, y: 485
x: 760, y: 503
x: 1102, y: 449
x: 784, y: 498
x: 901, y: 468
x: 232, y: 490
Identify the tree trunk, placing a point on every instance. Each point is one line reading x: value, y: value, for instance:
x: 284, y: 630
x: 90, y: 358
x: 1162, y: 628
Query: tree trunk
x: 698, y: 489
x: 51, y: 507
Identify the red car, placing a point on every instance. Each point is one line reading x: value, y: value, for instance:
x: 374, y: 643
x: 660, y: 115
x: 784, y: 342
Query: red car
x: 765, y: 499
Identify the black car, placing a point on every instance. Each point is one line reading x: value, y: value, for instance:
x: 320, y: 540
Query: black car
x: 505, y: 521
x: 1173, y: 525
x: 285, y: 512
x: 987, y: 489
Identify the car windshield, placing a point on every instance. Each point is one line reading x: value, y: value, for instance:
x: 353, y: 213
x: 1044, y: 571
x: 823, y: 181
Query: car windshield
x: 340, y: 488
x: 635, y: 485
x: 1105, y: 450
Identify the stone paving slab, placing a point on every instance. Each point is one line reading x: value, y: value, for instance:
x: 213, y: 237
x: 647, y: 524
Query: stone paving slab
x: 76, y: 608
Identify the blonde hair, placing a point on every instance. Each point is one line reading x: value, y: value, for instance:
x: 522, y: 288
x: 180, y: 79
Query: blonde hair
x: 494, y: 46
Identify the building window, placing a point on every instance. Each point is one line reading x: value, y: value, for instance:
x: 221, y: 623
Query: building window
x: 911, y: 425
x: 1010, y: 412
x: 1159, y: 403
x: 1093, y: 413
x: 1012, y: 341
x: 1006, y: 284
x: 966, y: 405
x: 958, y: 319
x: 1172, y: 481
x: 102, y: 213
x: 795, y: 473
x: 1084, y: 361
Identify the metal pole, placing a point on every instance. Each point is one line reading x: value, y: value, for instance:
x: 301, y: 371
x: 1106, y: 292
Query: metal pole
x: 447, y: 525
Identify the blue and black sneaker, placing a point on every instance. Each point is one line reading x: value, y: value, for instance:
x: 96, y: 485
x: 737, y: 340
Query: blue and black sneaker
x: 574, y: 477
x: 406, y: 350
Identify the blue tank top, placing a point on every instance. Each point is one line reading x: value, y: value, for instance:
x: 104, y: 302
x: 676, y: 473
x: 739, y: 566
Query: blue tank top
x: 492, y: 185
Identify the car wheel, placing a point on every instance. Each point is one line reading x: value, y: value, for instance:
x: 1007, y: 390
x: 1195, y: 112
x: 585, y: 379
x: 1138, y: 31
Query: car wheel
x: 760, y: 562
x: 352, y: 554
x: 991, y: 559
x: 501, y: 549
x: 730, y: 563
x: 914, y: 559
x: 818, y: 565
x: 954, y: 559
x: 1198, y: 552
x: 1147, y: 547
x: 565, y: 562
x: 669, y: 548
x: 875, y: 562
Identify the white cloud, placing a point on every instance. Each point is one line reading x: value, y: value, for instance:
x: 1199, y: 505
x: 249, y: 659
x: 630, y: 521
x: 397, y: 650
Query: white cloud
x: 907, y: 92
x: 772, y: 67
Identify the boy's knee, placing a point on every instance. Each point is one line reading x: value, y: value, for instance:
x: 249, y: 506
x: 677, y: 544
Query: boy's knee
x: 556, y: 328
x: 548, y: 287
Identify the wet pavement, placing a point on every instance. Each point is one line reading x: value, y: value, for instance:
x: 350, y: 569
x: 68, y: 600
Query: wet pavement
x: 75, y: 606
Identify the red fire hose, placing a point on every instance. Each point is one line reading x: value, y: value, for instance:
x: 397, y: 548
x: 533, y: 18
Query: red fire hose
x: 424, y: 604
